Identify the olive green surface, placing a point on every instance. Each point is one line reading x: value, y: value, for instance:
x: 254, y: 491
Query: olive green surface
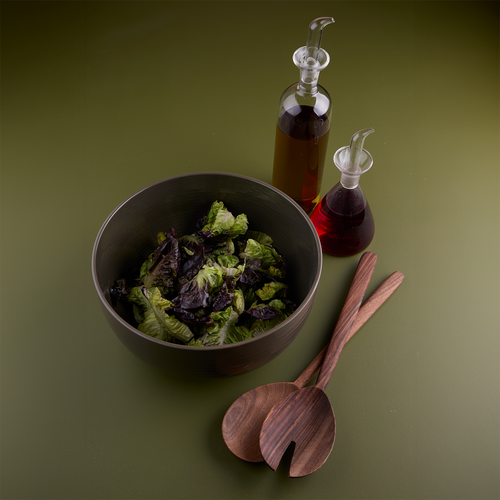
x: 102, y: 98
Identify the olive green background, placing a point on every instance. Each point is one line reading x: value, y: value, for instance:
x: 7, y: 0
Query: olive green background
x: 99, y: 99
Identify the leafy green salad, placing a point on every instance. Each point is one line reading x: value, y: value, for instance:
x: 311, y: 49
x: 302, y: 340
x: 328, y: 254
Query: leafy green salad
x: 222, y: 284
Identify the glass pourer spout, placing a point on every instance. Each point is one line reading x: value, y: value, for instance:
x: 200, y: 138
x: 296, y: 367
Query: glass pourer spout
x: 353, y: 160
x: 311, y: 58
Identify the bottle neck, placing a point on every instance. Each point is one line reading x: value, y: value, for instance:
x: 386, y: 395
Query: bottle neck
x: 349, y: 181
x: 308, y: 83
x: 310, y: 68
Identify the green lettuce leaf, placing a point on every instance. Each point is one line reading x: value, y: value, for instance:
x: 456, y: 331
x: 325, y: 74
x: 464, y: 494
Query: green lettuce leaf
x: 219, y: 333
x: 153, y: 321
x: 238, y: 301
x: 209, y: 278
x: 271, y: 290
x: 220, y: 220
x: 260, y: 237
x: 261, y: 326
x: 225, y: 247
x: 268, y: 255
x: 278, y: 304
x: 228, y: 260
x: 275, y: 272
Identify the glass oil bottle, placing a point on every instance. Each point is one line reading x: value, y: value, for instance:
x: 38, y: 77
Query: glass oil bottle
x: 304, y: 124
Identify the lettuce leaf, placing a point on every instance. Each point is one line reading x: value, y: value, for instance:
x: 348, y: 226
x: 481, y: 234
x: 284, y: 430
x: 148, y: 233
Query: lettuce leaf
x: 223, y: 298
x: 162, y: 266
x: 210, y: 278
x: 218, y: 333
x: 220, y: 221
x: 260, y: 237
x: 228, y: 260
x: 197, y: 291
x: 271, y: 290
x: 192, y: 258
x: 238, y: 301
x: 267, y: 255
x: 150, y: 313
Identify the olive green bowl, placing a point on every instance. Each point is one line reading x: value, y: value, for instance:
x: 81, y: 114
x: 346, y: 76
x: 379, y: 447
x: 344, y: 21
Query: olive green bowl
x: 128, y: 236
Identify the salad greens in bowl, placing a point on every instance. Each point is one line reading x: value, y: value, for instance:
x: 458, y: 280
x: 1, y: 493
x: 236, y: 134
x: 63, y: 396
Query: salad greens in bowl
x: 220, y: 285
x: 207, y: 274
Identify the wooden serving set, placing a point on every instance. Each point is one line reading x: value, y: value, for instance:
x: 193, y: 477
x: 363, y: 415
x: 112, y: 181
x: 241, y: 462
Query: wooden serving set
x: 262, y: 423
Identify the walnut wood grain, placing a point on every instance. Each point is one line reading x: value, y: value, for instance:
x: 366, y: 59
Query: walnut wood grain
x: 305, y: 417
x: 347, y: 316
x: 244, y: 418
x: 376, y: 299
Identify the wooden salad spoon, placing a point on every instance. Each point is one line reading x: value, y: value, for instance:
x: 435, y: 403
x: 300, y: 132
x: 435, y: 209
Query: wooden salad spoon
x: 305, y: 417
x: 243, y: 420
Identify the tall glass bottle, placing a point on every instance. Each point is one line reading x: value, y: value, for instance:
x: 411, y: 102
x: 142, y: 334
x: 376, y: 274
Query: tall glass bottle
x: 343, y: 219
x: 304, y: 124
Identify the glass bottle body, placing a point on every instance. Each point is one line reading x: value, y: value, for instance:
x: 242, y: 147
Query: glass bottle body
x: 344, y: 221
x: 301, y: 143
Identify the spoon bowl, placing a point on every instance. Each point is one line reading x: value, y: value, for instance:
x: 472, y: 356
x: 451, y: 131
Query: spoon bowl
x: 306, y: 417
x: 243, y: 420
x: 313, y: 430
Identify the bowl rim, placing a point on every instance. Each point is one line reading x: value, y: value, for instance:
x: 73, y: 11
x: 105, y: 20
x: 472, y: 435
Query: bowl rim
x: 128, y: 326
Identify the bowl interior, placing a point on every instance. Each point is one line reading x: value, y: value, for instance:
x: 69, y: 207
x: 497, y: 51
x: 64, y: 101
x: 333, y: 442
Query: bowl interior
x: 129, y: 234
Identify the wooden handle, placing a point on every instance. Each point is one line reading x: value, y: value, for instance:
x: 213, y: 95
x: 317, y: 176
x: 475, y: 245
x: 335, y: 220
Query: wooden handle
x: 376, y: 299
x: 347, y: 316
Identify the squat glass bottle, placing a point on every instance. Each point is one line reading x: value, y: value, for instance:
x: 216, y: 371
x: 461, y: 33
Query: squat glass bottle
x: 343, y: 219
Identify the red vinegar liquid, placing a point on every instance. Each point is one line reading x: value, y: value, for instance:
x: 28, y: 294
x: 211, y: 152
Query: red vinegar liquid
x: 344, y: 221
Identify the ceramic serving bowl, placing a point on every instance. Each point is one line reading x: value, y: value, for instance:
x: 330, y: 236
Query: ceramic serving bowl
x: 128, y: 236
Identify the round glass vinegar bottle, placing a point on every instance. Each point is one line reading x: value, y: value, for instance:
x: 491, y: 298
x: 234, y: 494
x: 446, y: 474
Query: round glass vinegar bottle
x: 343, y: 219
x: 304, y: 124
